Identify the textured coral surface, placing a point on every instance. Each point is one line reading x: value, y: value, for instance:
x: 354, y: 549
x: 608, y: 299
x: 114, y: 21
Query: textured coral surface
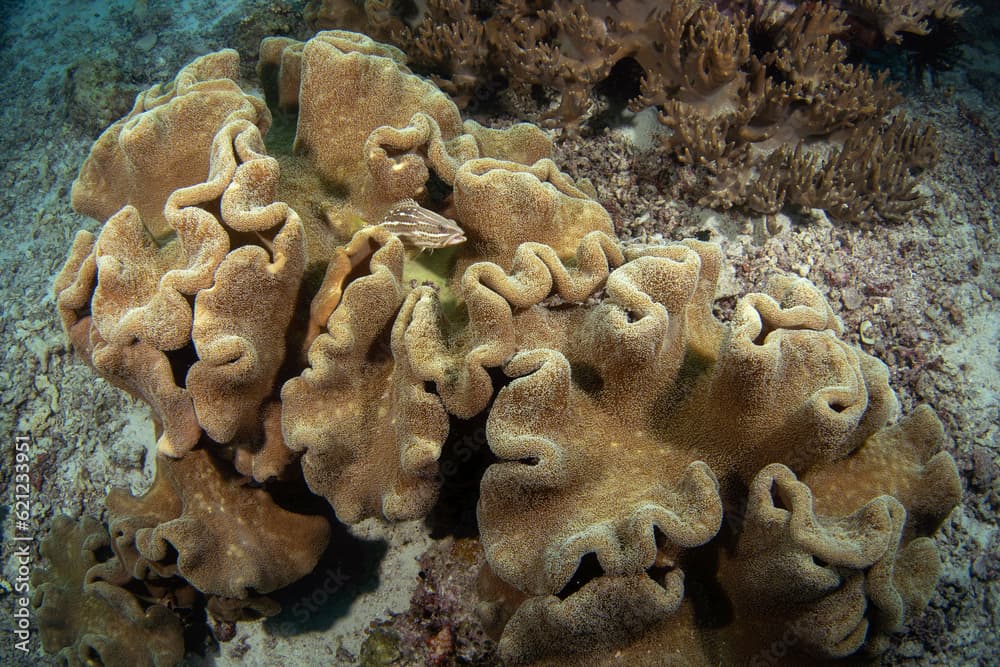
x: 82, y: 612
x: 665, y: 481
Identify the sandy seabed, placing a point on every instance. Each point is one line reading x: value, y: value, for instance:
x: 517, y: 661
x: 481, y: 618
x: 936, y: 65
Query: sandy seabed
x: 926, y: 292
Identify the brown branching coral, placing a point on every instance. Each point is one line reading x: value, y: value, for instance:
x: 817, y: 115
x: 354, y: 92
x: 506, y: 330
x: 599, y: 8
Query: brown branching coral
x: 764, y: 151
x: 894, y: 17
x: 450, y: 39
x: 652, y: 461
x: 757, y: 94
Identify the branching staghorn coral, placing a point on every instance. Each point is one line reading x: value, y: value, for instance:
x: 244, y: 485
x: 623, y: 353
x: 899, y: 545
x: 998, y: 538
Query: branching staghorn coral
x: 652, y: 461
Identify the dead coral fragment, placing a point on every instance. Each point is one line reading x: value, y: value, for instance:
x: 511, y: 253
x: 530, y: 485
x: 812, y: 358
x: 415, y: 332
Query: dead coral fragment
x: 84, y: 619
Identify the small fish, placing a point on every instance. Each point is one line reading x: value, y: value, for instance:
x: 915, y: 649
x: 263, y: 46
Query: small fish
x: 420, y: 227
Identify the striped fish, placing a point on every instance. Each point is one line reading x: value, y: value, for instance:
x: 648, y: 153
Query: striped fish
x: 421, y: 227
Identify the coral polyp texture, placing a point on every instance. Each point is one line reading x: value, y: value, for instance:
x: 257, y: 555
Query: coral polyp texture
x: 712, y: 473
x: 666, y: 485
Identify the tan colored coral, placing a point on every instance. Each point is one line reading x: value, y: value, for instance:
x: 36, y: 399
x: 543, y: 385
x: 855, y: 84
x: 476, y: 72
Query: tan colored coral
x: 654, y: 464
x: 205, y: 214
x: 84, y: 619
x: 372, y: 133
x: 186, y: 297
x: 202, y: 522
x: 630, y: 433
x: 521, y: 222
x: 850, y: 541
x: 163, y: 144
x: 372, y: 140
x: 369, y: 431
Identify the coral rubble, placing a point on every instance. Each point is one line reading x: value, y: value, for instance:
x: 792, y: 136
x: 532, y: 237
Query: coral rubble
x: 664, y: 483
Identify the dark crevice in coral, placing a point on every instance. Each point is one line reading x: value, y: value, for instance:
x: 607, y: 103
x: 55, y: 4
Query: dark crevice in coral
x: 588, y: 570
x: 293, y: 496
x: 170, y: 555
x: 765, y: 329
x: 712, y: 606
x: 269, y: 74
x: 587, y: 378
x: 761, y: 41
x: 464, y: 459
x: 213, y: 207
x: 437, y: 190
x: 263, y: 240
x: 778, y: 498
x: 622, y: 83
x: 180, y: 363
x: 380, y: 351
x: 104, y: 553
x: 295, y: 334
x: 92, y: 657
x: 735, y: 490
